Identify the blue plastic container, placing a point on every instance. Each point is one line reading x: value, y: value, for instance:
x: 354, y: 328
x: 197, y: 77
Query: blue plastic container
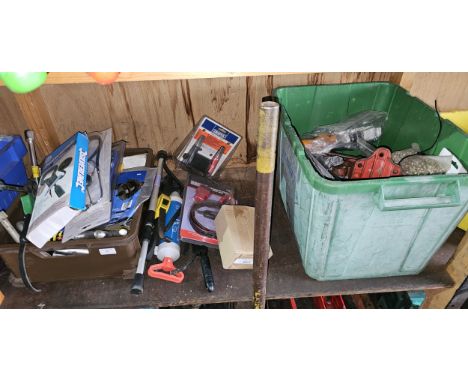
x: 12, y: 170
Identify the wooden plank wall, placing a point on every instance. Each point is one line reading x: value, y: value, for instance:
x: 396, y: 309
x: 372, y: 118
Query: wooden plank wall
x: 157, y: 114
x: 450, y: 89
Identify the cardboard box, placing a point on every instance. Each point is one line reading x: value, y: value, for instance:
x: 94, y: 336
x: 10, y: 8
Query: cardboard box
x: 235, y: 232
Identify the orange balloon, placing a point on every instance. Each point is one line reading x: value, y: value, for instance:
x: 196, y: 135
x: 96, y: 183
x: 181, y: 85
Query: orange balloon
x: 104, y: 78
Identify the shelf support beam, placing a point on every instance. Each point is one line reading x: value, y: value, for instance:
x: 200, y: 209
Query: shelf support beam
x: 266, y: 158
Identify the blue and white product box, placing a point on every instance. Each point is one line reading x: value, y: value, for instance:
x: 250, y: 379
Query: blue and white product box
x: 61, y: 194
x: 140, y: 181
x: 98, y: 192
x: 208, y: 148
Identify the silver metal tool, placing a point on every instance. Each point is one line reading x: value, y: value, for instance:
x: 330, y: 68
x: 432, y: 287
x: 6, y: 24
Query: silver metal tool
x: 148, y: 227
x: 71, y: 251
x: 32, y: 153
x: 9, y: 227
x: 101, y: 234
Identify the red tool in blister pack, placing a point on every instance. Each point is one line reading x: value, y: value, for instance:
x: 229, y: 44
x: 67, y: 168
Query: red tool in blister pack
x: 202, y: 201
x: 208, y: 148
x: 378, y: 165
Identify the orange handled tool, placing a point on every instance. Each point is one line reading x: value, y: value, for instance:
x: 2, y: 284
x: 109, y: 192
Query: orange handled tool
x: 163, y: 271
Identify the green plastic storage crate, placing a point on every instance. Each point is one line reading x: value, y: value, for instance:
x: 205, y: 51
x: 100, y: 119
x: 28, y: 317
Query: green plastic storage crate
x: 375, y: 227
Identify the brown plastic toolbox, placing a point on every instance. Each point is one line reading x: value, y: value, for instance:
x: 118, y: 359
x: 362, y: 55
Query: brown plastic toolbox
x: 108, y: 257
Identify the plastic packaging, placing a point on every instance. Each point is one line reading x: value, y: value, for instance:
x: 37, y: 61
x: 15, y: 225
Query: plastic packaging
x: 117, y: 155
x: 456, y: 167
x: 208, y: 148
x: 352, y: 133
x: 203, y: 199
x: 61, y: 194
x: 98, y: 187
x: 134, y: 187
x: 425, y: 165
x: 397, y: 156
x: 324, y: 164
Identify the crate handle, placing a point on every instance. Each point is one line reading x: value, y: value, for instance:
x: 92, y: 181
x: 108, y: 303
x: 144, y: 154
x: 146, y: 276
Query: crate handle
x: 447, y: 199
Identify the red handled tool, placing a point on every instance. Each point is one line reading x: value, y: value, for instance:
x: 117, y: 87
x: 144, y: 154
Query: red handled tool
x: 215, y: 160
x: 163, y: 271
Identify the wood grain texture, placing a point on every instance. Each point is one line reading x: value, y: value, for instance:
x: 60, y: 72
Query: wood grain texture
x: 37, y: 117
x: 79, y: 107
x: 55, y: 78
x: 450, y: 89
x: 255, y: 89
x: 159, y: 114
x: 223, y: 99
x: 11, y: 118
x: 394, y: 77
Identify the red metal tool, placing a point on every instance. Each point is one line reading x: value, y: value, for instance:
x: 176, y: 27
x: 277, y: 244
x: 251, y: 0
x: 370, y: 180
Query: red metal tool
x: 292, y: 301
x: 344, y: 170
x: 329, y: 302
x: 162, y: 271
x: 378, y: 165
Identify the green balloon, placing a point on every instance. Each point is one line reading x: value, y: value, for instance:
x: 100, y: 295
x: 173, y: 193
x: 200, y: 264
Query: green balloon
x: 23, y: 82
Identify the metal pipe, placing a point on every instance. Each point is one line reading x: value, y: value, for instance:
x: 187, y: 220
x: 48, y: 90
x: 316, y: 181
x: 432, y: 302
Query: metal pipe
x: 101, y: 234
x: 148, y: 227
x: 32, y: 153
x: 266, y: 156
x: 9, y: 227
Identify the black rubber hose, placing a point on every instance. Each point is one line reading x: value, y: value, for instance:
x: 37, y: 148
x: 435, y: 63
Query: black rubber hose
x: 195, y: 223
x: 22, y: 255
x: 154, y: 241
x: 191, y: 258
x: 172, y: 175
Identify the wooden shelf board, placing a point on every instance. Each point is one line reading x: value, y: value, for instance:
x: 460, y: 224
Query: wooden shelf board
x: 55, y: 78
x: 286, y: 276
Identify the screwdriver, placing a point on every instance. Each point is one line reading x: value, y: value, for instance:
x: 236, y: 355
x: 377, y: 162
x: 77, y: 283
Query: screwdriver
x: 206, y: 268
x: 215, y: 160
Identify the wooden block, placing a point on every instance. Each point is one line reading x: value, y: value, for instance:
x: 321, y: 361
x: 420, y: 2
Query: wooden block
x: 2, y: 297
x: 235, y: 231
